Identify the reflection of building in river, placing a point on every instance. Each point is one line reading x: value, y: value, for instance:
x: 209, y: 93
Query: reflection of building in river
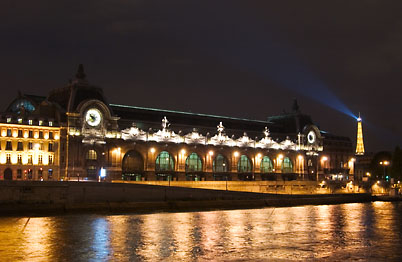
x: 137, y: 143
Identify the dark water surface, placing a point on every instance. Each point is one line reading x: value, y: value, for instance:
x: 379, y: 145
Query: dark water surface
x: 357, y: 232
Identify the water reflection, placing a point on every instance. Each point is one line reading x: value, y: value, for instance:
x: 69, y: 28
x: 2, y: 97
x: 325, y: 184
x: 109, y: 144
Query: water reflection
x: 371, y: 231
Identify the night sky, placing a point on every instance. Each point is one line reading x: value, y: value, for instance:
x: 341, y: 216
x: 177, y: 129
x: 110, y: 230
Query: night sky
x: 236, y: 58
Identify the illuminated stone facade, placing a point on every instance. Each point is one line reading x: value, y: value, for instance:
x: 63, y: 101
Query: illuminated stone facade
x: 136, y: 143
x: 29, y: 152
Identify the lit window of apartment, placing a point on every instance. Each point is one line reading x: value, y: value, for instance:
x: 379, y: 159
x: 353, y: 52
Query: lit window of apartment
x: 8, y: 119
x: 50, y: 147
x: 19, y: 133
x: 40, y: 122
x: 19, y: 120
x: 50, y: 159
x: 20, y: 147
x: 30, y: 122
x: 50, y: 123
x: 30, y: 159
x: 8, y: 158
x: 30, y: 146
x: 19, y: 159
x: 40, y: 159
x: 9, y: 146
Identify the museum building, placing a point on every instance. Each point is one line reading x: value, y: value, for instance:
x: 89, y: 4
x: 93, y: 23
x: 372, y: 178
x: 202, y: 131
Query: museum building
x: 75, y: 134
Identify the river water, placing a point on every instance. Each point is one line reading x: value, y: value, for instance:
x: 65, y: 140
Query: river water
x: 358, y: 232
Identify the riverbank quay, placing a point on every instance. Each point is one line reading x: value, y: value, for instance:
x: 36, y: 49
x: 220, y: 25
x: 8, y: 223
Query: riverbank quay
x: 54, y: 197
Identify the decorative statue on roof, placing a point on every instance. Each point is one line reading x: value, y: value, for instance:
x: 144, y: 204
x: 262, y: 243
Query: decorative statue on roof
x: 220, y: 128
x: 266, y: 132
x: 165, y: 123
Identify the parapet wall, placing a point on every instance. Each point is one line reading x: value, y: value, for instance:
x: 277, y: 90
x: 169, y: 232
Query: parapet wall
x: 271, y: 187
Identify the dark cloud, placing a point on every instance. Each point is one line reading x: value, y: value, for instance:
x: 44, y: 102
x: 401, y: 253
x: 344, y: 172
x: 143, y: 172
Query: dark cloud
x: 212, y: 56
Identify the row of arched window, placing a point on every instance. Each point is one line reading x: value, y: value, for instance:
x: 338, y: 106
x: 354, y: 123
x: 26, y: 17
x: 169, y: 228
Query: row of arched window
x: 165, y: 162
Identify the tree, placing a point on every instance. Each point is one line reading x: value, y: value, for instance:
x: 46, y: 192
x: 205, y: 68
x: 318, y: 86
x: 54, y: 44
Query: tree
x: 396, y: 164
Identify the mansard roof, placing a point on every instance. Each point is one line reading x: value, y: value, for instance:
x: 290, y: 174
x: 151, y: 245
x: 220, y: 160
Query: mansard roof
x: 146, y: 118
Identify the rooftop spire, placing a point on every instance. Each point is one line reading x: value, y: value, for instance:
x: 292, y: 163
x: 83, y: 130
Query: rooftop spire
x: 295, y: 106
x: 80, y: 72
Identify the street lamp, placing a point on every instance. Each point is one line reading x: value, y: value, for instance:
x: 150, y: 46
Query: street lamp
x: 384, y: 164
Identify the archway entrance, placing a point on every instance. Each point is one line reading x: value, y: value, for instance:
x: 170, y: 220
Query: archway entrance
x: 133, y: 166
x: 220, y: 168
x: 245, y: 169
x: 8, y: 174
x: 164, y: 167
x: 194, y: 167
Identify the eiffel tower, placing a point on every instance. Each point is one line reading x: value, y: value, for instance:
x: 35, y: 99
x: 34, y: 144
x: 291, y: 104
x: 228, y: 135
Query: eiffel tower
x: 359, y: 140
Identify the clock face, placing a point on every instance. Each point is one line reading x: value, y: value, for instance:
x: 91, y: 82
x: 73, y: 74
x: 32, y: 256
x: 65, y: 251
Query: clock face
x: 311, y: 137
x: 93, y: 117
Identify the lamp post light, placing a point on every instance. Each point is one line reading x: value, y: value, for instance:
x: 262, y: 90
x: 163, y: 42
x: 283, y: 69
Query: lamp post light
x: 384, y: 164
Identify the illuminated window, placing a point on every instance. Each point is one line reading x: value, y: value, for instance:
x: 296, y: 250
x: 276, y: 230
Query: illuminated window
x: 50, y: 135
x: 19, y: 133
x: 50, y: 159
x: 9, y: 133
x: 8, y: 158
x: 40, y: 159
x: 91, y: 155
x: 41, y: 146
x: 287, y: 166
x: 20, y: 146
x: 19, y: 159
x: 19, y: 120
x: 41, y: 134
x: 50, y: 147
x: 193, y: 163
x: 8, y: 119
x: 30, y: 122
x: 30, y: 173
x: 244, y: 164
x: 266, y: 165
x: 220, y: 164
x: 9, y: 146
x: 164, y: 162
x: 30, y: 134
x: 40, y: 122
x: 50, y: 123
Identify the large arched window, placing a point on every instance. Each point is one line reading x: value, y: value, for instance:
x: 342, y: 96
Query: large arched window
x: 266, y: 165
x: 91, y: 155
x: 193, y: 163
x: 220, y: 164
x: 132, y: 162
x: 244, y: 165
x: 287, y: 166
x: 164, y: 162
x: 133, y: 166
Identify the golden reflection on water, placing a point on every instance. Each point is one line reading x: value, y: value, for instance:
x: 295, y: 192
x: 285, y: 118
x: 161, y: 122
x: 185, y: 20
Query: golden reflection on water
x: 370, y: 231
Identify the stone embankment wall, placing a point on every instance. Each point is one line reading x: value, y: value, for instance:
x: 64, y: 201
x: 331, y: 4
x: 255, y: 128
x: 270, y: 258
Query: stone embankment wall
x: 23, y: 197
x: 271, y: 187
